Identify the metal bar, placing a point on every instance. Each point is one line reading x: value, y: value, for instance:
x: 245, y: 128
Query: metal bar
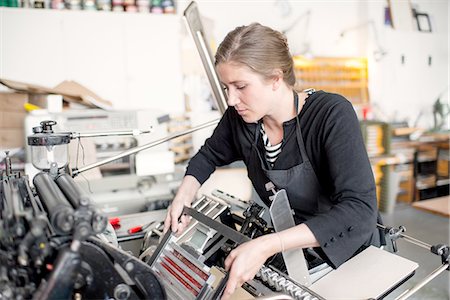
x: 416, y: 242
x: 76, y: 135
x: 194, y: 23
x: 216, y: 247
x: 409, y: 239
x: 75, y: 172
x: 191, y: 225
x: 406, y: 294
x: 222, y: 229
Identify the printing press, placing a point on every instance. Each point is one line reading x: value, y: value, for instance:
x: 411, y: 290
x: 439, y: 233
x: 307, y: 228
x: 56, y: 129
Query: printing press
x: 54, y: 244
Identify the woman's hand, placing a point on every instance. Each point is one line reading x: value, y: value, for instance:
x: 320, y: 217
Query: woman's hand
x: 187, y: 191
x: 174, y: 218
x: 244, y: 261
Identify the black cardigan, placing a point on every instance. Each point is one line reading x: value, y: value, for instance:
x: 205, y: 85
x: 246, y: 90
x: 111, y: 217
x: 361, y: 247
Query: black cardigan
x: 335, y: 147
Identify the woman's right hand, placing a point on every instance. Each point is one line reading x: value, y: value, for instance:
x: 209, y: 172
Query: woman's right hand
x: 174, y: 218
x: 186, y: 193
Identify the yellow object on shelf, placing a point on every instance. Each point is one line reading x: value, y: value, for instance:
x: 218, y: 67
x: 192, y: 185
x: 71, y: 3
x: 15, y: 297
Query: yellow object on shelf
x: 30, y: 107
x: 345, y: 76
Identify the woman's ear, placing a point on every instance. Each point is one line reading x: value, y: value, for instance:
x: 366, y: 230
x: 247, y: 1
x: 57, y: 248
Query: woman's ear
x: 277, y: 79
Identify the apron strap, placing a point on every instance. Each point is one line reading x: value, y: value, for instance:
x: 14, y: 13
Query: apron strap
x: 299, y: 134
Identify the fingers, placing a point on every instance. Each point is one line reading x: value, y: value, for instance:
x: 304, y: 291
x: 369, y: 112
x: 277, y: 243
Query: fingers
x: 183, y: 222
x: 230, y: 288
x: 174, y: 221
x: 232, y: 280
x: 229, y: 260
x: 167, y: 221
x: 235, y: 280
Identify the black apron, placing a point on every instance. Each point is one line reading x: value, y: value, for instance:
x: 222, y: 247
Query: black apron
x: 305, y: 194
x: 306, y: 197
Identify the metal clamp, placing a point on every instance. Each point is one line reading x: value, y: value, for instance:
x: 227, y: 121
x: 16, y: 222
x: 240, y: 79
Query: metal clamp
x: 394, y: 235
x: 443, y: 251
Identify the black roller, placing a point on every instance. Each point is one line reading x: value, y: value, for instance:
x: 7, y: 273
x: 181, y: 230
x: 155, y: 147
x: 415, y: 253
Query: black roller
x: 71, y: 190
x: 78, y: 197
x: 59, y: 209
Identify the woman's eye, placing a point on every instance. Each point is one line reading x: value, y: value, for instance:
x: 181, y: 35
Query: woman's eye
x: 240, y: 87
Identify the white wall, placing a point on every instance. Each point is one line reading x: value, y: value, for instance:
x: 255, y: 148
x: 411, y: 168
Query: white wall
x: 398, y: 92
x: 133, y: 60
x: 327, y: 19
x: 407, y: 91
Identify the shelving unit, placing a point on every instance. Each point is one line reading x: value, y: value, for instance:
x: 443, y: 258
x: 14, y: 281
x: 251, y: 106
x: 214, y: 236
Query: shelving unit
x: 392, y: 165
x: 426, y: 163
x: 376, y: 137
x: 431, y: 170
x: 181, y: 146
x: 341, y: 75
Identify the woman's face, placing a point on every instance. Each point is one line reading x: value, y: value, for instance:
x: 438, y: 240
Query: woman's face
x: 248, y: 92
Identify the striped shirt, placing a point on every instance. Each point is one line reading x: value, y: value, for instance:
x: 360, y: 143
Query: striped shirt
x: 272, y: 151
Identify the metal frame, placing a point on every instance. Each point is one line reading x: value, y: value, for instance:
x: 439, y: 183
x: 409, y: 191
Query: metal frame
x: 440, y: 249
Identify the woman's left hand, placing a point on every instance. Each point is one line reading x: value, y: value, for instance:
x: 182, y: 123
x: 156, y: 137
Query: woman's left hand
x: 244, y: 261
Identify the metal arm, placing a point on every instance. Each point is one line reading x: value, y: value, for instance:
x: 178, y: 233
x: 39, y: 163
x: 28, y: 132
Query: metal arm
x: 75, y: 172
x: 76, y: 135
x: 441, y: 250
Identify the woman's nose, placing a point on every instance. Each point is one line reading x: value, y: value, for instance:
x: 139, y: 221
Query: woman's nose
x: 233, y: 98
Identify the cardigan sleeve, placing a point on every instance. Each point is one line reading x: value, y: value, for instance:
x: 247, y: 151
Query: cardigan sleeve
x: 219, y: 150
x: 351, y: 221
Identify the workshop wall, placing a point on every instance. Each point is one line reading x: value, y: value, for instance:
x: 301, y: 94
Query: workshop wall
x: 133, y: 60
x: 413, y: 74
x: 320, y: 29
x: 399, y: 91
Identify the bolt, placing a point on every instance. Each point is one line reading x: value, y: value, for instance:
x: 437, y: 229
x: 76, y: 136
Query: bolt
x: 122, y: 291
x: 129, y: 266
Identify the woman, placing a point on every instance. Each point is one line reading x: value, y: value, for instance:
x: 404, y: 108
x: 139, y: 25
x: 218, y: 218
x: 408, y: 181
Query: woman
x: 308, y: 143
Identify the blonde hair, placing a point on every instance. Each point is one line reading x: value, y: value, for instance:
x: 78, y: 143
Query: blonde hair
x: 259, y: 47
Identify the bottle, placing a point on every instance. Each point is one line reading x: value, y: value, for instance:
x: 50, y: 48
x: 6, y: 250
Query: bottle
x: 57, y: 4
x: 104, y: 5
x: 143, y: 6
x: 155, y: 7
x: 168, y: 6
x: 39, y: 4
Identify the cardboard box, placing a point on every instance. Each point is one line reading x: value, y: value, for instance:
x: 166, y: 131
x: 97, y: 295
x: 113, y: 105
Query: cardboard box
x: 12, y: 112
x: 12, y: 102
x: 70, y: 90
x: 12, y: 138
x: 12, y: 119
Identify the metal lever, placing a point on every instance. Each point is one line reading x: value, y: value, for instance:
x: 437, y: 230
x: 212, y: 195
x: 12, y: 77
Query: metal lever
x: 294, y: 259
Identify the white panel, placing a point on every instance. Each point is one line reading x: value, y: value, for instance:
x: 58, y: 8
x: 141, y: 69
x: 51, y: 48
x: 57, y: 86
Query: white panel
x: 131, y: 59
x: 153, y: 63
x: 94, y: 52
x: 406, y: 91
x: 321, y: 31
x: 31, y: 46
